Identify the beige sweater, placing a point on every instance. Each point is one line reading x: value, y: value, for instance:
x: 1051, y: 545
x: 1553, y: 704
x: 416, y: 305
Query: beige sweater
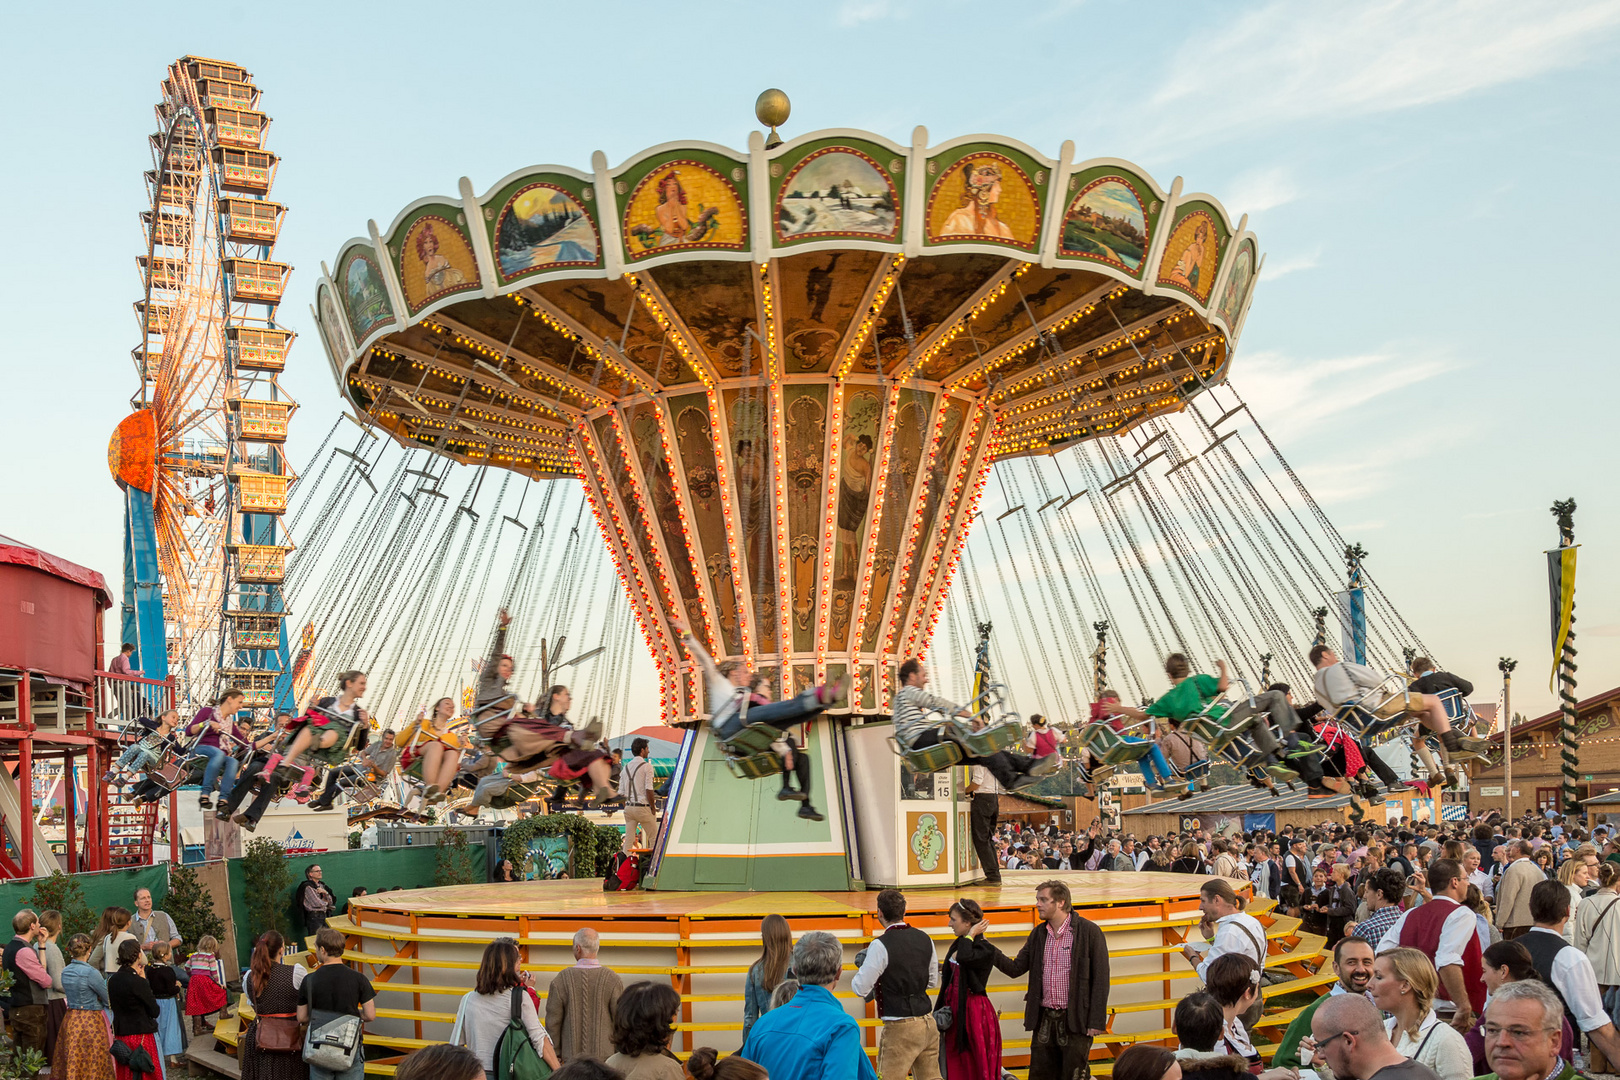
x: 580, y: 1006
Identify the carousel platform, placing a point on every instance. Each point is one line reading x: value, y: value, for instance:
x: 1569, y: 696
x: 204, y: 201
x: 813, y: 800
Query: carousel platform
x: 421, y: 950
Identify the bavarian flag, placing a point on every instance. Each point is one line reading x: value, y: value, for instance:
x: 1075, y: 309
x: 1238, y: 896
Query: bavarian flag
x: 1561, y: 590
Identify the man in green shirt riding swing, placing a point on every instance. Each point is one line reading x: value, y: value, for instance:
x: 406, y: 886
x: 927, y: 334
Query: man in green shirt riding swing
x: 1190, y: 694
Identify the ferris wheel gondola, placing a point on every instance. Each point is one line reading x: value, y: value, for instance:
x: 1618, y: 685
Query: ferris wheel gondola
x: 200, y: 459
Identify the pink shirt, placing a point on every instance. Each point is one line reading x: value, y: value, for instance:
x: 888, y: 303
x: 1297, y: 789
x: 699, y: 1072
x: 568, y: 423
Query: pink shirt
x: 28, y: 963
x: 1056, y: 962
x: 120, y: 665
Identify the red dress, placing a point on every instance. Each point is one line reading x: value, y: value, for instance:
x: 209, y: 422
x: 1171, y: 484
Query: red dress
x: 204, y: 994
x: 973, y: 1041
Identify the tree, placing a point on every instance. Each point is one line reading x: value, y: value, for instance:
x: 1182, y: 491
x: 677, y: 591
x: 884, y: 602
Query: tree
x: 192, y: 908
x: 455, y: 863
x: 267, y: 879
x: 62, y: 892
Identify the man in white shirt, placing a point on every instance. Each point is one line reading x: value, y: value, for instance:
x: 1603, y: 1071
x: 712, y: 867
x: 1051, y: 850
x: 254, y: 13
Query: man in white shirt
x: 1458, y: 933
x: 1236, y: 931
x: 983, y: 812
x: 1567, y: 968
x: 898, y: 968
x: 635, y: 784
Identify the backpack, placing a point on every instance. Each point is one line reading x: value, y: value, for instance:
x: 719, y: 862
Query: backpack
x: 613, y: 880
x: 516, y: 1057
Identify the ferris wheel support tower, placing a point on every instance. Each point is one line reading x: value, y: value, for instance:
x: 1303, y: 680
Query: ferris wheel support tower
x: 200, y: 459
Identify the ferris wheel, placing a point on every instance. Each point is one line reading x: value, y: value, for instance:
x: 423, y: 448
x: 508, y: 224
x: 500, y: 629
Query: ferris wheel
x: 200, y: 459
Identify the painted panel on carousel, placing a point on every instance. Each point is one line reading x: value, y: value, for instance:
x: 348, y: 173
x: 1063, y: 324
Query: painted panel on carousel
x: 905, y: 454
x: 332, y: 326
x: 365, y: 297
x: 692, y: 427
x: 633, y: 497
x: 1238, y: 281
x: 863, y: 421
x: 608, y: 309
x: 833, y: 188
x: 1192, y: 255
x: 663, y: 503
x: 985, y: 193
x: 682, y: 200
x: 926, y: 843
x: 542, y: 223
x: 805, y: 430
x: 433, y: 256
x: 716, y: 302
x: 1111, y: 218
x: 817, y: 296
x: 748, y: 413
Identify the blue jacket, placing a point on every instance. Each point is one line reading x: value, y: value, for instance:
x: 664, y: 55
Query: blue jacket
x: 809, y: 1038
x: 85, y: 987
x: 756, y: 1002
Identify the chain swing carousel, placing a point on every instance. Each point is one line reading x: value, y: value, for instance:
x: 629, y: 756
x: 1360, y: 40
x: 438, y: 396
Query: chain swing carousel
x: 782, y: 376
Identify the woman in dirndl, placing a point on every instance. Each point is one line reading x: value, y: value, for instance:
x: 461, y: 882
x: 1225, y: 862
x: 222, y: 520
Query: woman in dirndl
x: 271, y: 988
x: 134, y: 1009
x: 973, y: 1040
x: 82, y: 1043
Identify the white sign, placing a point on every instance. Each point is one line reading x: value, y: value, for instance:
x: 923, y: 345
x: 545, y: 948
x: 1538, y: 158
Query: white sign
x: 1496, y: 790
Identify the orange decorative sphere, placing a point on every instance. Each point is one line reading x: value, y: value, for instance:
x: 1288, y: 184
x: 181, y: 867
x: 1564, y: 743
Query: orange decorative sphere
x: 132, y: 451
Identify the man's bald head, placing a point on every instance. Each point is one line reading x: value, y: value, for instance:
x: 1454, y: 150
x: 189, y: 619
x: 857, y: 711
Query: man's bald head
x: 1347, y: 1012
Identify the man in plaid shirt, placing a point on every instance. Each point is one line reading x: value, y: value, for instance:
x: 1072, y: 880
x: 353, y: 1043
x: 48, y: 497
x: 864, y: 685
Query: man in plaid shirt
x: 1384, y: 892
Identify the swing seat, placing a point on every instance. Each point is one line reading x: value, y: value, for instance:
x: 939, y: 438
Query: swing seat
x: 1210, y: 727
x: 515, y: 795
x: 1464, y: 720
x: 754, y: 766
x: 414, y: 770
x: 751, y: 740
x: 928, y: 759
x: 991, y: 740
x: 1109, y: 747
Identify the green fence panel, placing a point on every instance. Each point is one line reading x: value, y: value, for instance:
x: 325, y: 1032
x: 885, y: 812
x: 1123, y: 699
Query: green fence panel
x: 101, y: 890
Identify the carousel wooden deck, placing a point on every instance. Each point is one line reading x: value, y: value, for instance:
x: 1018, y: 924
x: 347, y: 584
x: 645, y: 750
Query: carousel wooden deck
x: 421, y: 949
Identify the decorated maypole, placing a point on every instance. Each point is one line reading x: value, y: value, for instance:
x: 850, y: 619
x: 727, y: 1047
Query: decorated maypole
x: 1561, y: 583
x: 1320, y: 614
x: 1099, y: 661
x: 1506, y: 665
x: 1265, y: 669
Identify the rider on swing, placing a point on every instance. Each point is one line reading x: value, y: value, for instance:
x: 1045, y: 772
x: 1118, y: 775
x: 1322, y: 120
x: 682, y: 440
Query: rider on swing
x: 537, y: 741
x: 316, y: 729
x: 731, y: 709
x: 912, y: 730
x: 1339, y: 684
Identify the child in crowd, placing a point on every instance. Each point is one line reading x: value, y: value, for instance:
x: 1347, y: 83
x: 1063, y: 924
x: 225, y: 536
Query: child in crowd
x: 165, y: 983
x: 205, y: 990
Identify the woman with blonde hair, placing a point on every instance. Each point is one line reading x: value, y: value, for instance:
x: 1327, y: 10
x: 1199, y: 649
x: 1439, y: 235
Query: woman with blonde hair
x: 429, y: 737
x: 1575, y: 877
x: 1403, y: 984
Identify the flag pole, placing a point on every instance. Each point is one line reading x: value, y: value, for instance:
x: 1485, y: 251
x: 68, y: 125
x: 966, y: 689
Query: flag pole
x: 1564, y: 513
x: 1506, y: 666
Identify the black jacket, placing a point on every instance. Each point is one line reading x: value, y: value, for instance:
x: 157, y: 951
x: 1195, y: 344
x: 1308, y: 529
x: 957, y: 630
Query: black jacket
x: 134, y: 1008
x: 974, y: 959
x: 1438, y: 682
x: 1088, y: 975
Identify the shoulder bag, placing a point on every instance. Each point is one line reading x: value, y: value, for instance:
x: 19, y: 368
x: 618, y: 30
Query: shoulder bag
x: 332, y: 1039
x: 278, y: 1033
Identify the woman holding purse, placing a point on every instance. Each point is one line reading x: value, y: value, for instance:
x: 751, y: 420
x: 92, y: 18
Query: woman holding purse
x: 272, y: 1046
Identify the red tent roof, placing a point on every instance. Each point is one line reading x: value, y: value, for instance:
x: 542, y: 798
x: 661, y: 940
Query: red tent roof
x: 21, y: 554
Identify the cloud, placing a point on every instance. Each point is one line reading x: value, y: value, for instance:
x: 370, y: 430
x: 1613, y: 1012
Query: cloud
x: 1290, y: 62
x: 1278, y: 268
x: 1292, y: 395
x: 1260, y: 189
x: 857, y: 12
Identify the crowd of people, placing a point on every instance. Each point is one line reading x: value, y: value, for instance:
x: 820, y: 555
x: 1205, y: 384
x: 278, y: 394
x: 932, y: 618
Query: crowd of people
x: 1457, y: 950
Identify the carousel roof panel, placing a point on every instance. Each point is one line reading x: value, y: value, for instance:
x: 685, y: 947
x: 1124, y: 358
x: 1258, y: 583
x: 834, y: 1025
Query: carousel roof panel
x: 1070, y: 299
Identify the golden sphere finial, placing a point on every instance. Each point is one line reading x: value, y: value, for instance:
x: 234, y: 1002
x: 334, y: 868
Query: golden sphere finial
x: 772, y: 108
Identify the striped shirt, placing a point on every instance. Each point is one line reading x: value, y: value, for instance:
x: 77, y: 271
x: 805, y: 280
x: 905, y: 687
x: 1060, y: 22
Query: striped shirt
x: 912, y: 706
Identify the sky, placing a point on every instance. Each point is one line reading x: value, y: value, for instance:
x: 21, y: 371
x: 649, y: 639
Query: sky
x: 1428, y: 181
